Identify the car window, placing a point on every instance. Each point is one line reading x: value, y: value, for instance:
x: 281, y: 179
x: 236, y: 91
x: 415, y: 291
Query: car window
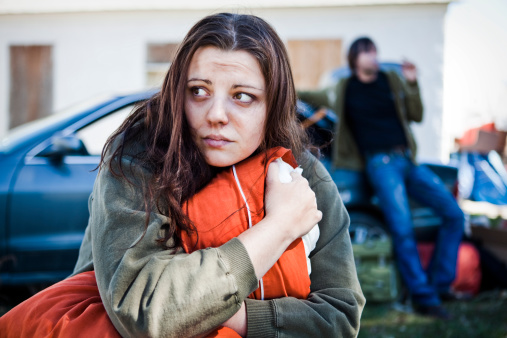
x: 24, y: 131
x: 95, y: 135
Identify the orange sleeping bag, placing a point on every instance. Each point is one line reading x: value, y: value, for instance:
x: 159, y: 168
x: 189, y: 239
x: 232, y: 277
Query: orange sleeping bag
x: 219, y: 213
x: 70, y: 308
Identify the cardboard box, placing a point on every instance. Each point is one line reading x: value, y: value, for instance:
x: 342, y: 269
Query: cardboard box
x: 483, y: 139
x: 485, y: 142
x: 494, y: 240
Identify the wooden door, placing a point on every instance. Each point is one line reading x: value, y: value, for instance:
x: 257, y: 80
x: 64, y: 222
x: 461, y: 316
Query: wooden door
x: 159, y: 58
x: 31, y: 83
x: 312, y: 58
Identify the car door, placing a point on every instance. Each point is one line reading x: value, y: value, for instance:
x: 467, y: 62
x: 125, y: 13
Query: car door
x: 49, y: 201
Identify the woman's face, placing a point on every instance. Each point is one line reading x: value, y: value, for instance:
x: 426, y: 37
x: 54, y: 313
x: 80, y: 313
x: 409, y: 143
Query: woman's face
x: 225, y: 104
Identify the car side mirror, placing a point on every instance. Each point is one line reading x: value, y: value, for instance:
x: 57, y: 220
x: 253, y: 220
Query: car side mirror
x: 62, y: 146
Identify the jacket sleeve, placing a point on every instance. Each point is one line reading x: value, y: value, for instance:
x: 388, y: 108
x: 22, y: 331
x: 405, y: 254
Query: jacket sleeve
x: 335, y: 304
x: 150, y: 291
x: 319, y: 98
x: 413, y: 101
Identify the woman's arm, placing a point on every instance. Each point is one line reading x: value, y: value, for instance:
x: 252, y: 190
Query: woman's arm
x: 149, y: 291
x: 319, y: 98
x: 335, y: 304
x: 291, y: 212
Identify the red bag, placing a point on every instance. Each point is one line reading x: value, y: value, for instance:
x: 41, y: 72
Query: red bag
x: 468, y: 267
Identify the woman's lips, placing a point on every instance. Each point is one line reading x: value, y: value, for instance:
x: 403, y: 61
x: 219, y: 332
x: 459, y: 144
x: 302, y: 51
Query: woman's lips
x: 216, y: 141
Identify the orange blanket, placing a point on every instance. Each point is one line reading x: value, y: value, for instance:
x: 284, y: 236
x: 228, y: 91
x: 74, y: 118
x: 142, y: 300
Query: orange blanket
x: 220, y: 213
x: 70, y: 308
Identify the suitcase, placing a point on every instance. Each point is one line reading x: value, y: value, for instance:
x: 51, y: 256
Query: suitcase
x: 376, y: 270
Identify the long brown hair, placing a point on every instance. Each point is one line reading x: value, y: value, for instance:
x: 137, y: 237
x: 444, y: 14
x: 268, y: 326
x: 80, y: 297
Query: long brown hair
x: 179, y: 169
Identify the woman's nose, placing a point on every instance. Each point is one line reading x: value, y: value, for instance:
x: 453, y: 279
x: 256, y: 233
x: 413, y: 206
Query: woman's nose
x: 217, y: 113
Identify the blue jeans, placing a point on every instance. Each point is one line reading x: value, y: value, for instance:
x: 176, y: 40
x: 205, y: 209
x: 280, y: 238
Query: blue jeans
x: 393, y: 175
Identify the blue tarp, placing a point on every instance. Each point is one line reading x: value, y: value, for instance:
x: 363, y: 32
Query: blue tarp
x: 482, y: 177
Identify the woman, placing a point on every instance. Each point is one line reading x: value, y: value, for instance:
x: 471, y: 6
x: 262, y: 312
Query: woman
x: 228, y: 96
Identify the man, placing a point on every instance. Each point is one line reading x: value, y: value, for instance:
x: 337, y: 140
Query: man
x: 373, y: 134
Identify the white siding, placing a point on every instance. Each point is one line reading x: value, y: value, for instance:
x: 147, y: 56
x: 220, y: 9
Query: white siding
x: 61, y: 6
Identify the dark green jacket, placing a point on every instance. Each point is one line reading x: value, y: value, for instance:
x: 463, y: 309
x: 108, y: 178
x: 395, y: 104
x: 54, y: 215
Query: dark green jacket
x: 345, y: 151
x: 151, y: 292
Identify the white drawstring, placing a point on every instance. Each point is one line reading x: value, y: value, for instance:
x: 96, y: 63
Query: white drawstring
x: 242, y: 195
x: 261, y: 284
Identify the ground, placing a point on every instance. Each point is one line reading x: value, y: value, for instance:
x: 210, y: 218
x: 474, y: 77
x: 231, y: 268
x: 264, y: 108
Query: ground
x: 483, y: 316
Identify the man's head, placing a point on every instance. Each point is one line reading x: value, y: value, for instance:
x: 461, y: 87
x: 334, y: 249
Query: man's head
x: 362, y: 59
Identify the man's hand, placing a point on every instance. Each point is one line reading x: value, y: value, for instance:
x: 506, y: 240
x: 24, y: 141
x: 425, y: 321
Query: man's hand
x: 409, y: 71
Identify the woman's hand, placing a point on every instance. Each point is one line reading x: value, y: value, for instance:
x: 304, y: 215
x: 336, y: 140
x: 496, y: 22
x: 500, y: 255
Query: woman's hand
x: 292, y: 206
x: 291, y: 212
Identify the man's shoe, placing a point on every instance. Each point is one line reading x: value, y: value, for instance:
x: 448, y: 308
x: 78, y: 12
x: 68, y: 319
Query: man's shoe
x: 435, y: 311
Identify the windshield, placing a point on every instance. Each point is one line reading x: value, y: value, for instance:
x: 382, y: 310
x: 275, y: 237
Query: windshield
x: 18, y: 134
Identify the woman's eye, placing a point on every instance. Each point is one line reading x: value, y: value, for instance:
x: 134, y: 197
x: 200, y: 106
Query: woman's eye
x: 196, y: 91
x: 243, y: 98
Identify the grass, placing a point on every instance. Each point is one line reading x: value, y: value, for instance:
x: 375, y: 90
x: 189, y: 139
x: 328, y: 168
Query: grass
x: 483, y: 316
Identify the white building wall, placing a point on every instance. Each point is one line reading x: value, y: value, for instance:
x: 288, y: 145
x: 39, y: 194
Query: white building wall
x: 106, y: 52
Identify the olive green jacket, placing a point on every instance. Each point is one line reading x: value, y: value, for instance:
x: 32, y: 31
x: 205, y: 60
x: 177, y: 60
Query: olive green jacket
x: 345, y: 152
x: 149, y: 291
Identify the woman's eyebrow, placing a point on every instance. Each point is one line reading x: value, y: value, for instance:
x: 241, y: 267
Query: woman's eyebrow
x: 246, y: 86
x: 203, y: 80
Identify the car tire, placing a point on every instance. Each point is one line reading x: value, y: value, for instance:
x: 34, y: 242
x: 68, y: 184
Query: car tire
x: 366, y: 227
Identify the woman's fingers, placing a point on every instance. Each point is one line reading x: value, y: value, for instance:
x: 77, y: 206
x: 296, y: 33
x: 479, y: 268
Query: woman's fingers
x: 293, y: 205
x: 296, y: 176
x: 273, y: 173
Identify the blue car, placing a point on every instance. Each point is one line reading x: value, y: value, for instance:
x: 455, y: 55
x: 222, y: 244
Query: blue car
x: 46, y: 176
